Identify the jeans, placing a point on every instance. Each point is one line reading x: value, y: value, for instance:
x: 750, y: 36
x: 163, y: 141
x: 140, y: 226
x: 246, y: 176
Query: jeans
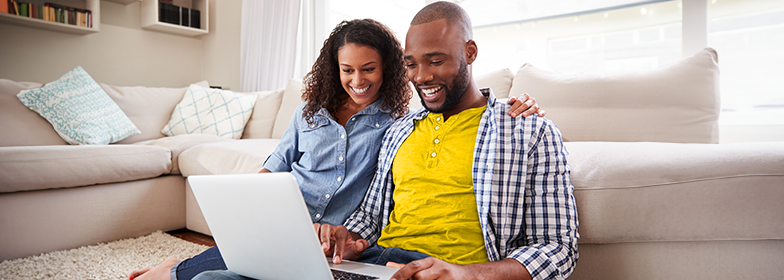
x: 374, y: 255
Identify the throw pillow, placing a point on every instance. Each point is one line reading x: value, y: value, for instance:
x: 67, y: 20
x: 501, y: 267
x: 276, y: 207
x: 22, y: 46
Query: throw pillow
x: 211, y: 111
x: 79, y: 110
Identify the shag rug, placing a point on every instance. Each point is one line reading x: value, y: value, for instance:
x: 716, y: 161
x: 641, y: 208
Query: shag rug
x: 113, y: 260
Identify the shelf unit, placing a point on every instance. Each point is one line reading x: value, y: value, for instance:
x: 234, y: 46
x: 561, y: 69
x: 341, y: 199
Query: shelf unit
x: 93, y: 5
x: 149, y: 10
x: 124, y: 2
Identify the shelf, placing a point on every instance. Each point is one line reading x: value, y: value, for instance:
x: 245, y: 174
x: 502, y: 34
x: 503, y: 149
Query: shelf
x: 124, y: 2
x: 149, y: 11
x: 93, y: 5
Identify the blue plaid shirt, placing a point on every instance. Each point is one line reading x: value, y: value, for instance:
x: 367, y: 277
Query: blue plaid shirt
x: 521, y: 182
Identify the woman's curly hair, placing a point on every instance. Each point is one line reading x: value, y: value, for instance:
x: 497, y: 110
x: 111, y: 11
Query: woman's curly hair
x: 323, y: 88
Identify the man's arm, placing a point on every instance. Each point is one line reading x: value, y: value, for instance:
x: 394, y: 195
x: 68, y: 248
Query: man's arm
x: 432, y: 268
x: 550, y: 212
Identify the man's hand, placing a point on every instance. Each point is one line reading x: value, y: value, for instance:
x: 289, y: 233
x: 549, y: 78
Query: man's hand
x: 525, y: 104
x: 432, y: 268
x: 339, y: 243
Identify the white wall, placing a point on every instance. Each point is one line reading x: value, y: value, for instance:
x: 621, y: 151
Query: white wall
x: 124, y: 54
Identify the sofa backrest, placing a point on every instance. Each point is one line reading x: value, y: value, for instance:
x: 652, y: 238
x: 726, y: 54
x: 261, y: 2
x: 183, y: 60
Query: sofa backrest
x: 679, y: 103
x: 21, y: 126
x: 149, y: 108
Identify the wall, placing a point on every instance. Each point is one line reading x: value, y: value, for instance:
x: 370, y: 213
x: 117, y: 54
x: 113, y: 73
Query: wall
x: 124, y: 54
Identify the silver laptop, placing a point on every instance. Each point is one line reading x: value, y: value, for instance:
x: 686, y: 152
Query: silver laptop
x: 264, y: 231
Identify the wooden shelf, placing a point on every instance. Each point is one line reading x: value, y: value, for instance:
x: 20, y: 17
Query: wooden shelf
x: 149, y: 10
x: 93, y: 5
x: 124, y: 2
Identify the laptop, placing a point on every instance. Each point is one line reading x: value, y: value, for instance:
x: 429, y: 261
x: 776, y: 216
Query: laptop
x: 263, y: 228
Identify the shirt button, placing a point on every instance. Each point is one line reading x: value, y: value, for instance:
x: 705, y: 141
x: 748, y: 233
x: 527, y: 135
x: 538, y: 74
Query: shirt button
x: 377, y: 125
x: 341, y: 158
x: 339, y: 179
x: 312, y: 126
x: 438, y: 119
x: 327, y: 196
x: 353, y: 119
x: 436, y: 141
x: 342, y: 136
x: 433, y: 154
x: 437, y: 127
x: 318, y: 216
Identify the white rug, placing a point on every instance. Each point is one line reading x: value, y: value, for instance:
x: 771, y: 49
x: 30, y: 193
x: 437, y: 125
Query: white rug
x: 113, y: 260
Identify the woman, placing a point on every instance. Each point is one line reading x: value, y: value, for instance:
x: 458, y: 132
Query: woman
x: 356, y: 89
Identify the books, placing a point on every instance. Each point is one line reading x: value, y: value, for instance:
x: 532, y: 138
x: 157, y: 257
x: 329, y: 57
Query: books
x: 50, y: 12
x: 170, y: 13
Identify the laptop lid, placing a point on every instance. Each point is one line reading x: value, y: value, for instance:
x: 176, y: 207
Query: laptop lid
x: 262, y: 226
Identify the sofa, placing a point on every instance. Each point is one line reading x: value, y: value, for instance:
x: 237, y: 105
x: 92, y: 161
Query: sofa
x: 657, y: 196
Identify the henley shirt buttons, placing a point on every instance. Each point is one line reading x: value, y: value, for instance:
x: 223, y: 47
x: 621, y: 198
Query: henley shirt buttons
x: 438, y: 119
x: 433, y: 154
x: 436, y: 141
x: 437, y: 127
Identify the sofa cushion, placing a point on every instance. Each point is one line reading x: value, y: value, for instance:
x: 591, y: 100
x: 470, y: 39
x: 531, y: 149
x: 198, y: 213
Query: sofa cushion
x: 27, y: 168
x: 20, y: 125
x: 79, y: 110
x: 499, y: 80
x: 210, y: 111
x: 262, y: 120
x: 229, y: 157
x: 677, y: 103
x: 292, y: 97
x: 149, y: 108
x: 180, y: 143
x: 640, y: 192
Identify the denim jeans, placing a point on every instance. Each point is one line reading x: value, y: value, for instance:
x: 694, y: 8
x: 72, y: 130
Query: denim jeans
x: 374, y: 255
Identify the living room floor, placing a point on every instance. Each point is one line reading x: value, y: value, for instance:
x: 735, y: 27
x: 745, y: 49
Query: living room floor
x: 192, y: 236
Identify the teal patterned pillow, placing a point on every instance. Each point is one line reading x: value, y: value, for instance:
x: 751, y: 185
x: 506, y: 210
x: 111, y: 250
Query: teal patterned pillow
x: 211, y: 111
x: 79, y: 110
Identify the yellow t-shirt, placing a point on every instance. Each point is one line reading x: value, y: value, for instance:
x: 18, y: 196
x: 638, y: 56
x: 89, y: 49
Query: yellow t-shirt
x: 435, y: 208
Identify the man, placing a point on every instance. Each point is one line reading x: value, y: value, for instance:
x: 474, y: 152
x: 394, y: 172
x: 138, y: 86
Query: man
x: 462, y: 190
x: 505, y: 208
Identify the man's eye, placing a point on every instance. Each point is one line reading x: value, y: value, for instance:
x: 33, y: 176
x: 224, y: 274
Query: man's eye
x: 436, y: 62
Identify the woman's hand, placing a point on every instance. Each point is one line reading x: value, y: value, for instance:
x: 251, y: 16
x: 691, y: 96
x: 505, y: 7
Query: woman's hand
x: 525, y: 106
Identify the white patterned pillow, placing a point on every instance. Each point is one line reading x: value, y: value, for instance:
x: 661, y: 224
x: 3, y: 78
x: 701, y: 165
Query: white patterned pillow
x: 211, y: 111
x: 79, y: 110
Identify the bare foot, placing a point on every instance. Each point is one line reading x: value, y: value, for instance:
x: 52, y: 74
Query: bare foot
x: 160, y: 272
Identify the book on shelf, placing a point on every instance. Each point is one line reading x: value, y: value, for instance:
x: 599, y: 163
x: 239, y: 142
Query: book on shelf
x: 49, y: 12
x: 173, y: 14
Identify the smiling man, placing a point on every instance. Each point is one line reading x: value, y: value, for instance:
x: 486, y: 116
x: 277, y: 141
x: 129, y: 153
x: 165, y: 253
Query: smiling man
x: 462, y: 190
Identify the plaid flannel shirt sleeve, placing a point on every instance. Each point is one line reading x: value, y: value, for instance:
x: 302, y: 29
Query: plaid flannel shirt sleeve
x: 550, y: 213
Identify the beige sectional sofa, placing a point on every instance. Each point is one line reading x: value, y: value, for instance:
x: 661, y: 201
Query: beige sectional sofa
x: 657, y: 196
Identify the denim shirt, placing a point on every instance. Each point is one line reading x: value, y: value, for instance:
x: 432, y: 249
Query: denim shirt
x: 332, y: 164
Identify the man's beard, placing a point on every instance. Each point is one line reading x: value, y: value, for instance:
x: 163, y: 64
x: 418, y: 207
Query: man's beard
x: 453, y: 93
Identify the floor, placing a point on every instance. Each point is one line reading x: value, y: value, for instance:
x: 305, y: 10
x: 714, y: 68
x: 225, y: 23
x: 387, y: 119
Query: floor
x: 192, y: 236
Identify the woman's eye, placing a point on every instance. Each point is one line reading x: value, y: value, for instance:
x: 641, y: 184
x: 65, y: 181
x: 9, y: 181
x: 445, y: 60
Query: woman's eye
x: 369, y: 70
x: 348, y: 71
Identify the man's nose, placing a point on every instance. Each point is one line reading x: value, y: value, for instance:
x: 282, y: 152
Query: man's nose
x: 422, y: 75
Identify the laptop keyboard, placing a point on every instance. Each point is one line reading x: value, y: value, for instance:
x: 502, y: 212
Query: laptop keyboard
x: 343, y: 275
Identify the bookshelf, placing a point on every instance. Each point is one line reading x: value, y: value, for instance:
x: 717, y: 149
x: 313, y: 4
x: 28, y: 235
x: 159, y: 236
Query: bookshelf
x: 93, y: 5
x: 149, y: 10
x: 124, y: 2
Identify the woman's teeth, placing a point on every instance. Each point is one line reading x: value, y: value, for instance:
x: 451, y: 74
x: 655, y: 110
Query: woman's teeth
x: 430, y: 91
x: 360, y: 90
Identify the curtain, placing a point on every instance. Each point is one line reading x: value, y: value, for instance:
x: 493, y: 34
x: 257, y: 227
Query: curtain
x: 268, y: 43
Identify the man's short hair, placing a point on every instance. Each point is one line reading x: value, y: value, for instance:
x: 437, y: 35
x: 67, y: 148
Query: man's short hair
x: 451, y: 12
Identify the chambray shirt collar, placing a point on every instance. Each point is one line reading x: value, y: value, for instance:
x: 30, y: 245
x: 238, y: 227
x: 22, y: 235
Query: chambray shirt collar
x: 371, y: 109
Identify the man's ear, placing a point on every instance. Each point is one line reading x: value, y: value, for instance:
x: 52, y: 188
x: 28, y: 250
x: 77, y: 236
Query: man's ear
x: 471, y: 51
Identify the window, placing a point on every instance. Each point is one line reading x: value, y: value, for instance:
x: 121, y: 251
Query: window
x: 614, y: 36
